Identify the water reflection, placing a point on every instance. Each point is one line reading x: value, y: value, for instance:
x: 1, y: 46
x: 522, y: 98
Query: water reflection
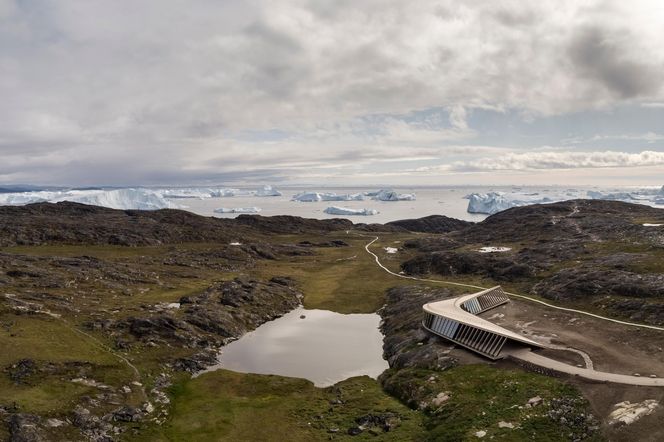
x: 324, y: 347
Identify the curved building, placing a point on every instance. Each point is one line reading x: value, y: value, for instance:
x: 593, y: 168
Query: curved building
x: 456, y: 320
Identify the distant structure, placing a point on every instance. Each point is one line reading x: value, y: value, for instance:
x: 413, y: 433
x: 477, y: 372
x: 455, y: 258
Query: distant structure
x: 456, y: 320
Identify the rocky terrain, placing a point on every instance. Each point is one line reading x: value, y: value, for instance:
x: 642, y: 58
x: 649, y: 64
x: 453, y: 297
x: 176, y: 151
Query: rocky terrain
x: 148, y: 296
x: 592, y: 253
x: 426, y: 375
x: 105, y: 314
x: 431, y: 224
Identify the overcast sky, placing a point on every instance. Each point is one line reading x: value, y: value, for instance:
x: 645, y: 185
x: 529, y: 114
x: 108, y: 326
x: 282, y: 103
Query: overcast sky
x: 159, y: 92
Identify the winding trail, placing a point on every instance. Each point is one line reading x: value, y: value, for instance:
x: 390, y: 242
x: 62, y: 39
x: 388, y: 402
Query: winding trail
x: 524, y: 354
x: 528, y: 298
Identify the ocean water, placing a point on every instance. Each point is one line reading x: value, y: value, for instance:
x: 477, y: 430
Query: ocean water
x: 446, y: 201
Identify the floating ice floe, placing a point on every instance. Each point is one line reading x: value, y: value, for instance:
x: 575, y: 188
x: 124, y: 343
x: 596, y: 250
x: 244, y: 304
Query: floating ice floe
x: 237, y: 210
x: 267, y: 191
x: 491, y: 249
x: 348, y: 211
x: 390, y: 250
x: 391, y: 195
x: 310, y: 197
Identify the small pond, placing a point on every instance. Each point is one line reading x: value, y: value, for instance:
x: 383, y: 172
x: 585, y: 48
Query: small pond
x: 324, y: 347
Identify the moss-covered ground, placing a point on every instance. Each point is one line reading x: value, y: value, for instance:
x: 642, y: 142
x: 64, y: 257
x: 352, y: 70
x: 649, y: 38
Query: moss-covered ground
x: 229, y: 406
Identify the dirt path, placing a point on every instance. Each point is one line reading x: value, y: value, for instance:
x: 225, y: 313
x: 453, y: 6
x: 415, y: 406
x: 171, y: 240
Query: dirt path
x: 438, y: 281
x: 528, y: 356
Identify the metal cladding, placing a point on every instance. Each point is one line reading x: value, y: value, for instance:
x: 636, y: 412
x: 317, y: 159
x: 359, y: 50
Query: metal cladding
x: 455, y: 319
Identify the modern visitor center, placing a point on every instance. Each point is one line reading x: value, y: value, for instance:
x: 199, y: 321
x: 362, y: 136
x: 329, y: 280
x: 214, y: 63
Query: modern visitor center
x: 456, y: 320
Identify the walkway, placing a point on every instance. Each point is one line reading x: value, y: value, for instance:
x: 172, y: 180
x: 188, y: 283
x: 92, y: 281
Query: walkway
x: 439, y: 281
x: 528, y: 356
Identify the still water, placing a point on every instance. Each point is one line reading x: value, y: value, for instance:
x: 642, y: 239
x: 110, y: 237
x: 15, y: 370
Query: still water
x: 324, y: 347
x: 430, y: 201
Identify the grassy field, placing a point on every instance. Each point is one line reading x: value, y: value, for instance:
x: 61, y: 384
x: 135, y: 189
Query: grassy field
x: 224, y: 405
x: 342, y: 279
x: 481, y: 396
x: 229, y: 406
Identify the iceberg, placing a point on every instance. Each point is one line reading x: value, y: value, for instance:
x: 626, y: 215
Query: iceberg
x: 619, y: 196
x: 490, y: 203
x: 202, y: 193
x: 238, y: 210
x: 310, y: 197
x: 494, y: 202
x: 334, y: 210
x: 267, y: 191
x: 20, y: 199
x: 391, y: 195
x: 226, y: 193
x: 123, y: 199
x: 185, y: 193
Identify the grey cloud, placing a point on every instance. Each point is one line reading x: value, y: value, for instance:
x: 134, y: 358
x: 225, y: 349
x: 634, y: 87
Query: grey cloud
x: 614, y: 59
x: 166, y: 86
x: 558, y: 160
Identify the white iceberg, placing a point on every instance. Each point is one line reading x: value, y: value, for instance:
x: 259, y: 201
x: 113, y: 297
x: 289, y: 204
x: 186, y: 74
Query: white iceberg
x: 391, y: 195
x: 618, y: 196
x: 123, y: 199
x: 346, y: 211
x: 226, y: 193
x: 185, y: 193
x: 494, y: 202
x: 20, y: 199
x: 238, y: 210
x: 267, y: 191
x: 310, y: 197
x: 490, y: 203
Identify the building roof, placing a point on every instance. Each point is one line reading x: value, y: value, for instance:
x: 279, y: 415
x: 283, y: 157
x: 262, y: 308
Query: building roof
x: 451, y: 308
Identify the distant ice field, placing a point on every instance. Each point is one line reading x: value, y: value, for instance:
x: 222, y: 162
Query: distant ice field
x: 472, y: 203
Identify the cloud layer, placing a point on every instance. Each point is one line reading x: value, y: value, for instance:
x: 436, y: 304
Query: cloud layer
x: 166, y: 90
x: 554, y: 161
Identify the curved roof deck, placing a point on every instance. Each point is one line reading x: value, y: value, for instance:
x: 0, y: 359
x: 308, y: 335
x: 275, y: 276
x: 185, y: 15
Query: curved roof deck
x: 456, y: 309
